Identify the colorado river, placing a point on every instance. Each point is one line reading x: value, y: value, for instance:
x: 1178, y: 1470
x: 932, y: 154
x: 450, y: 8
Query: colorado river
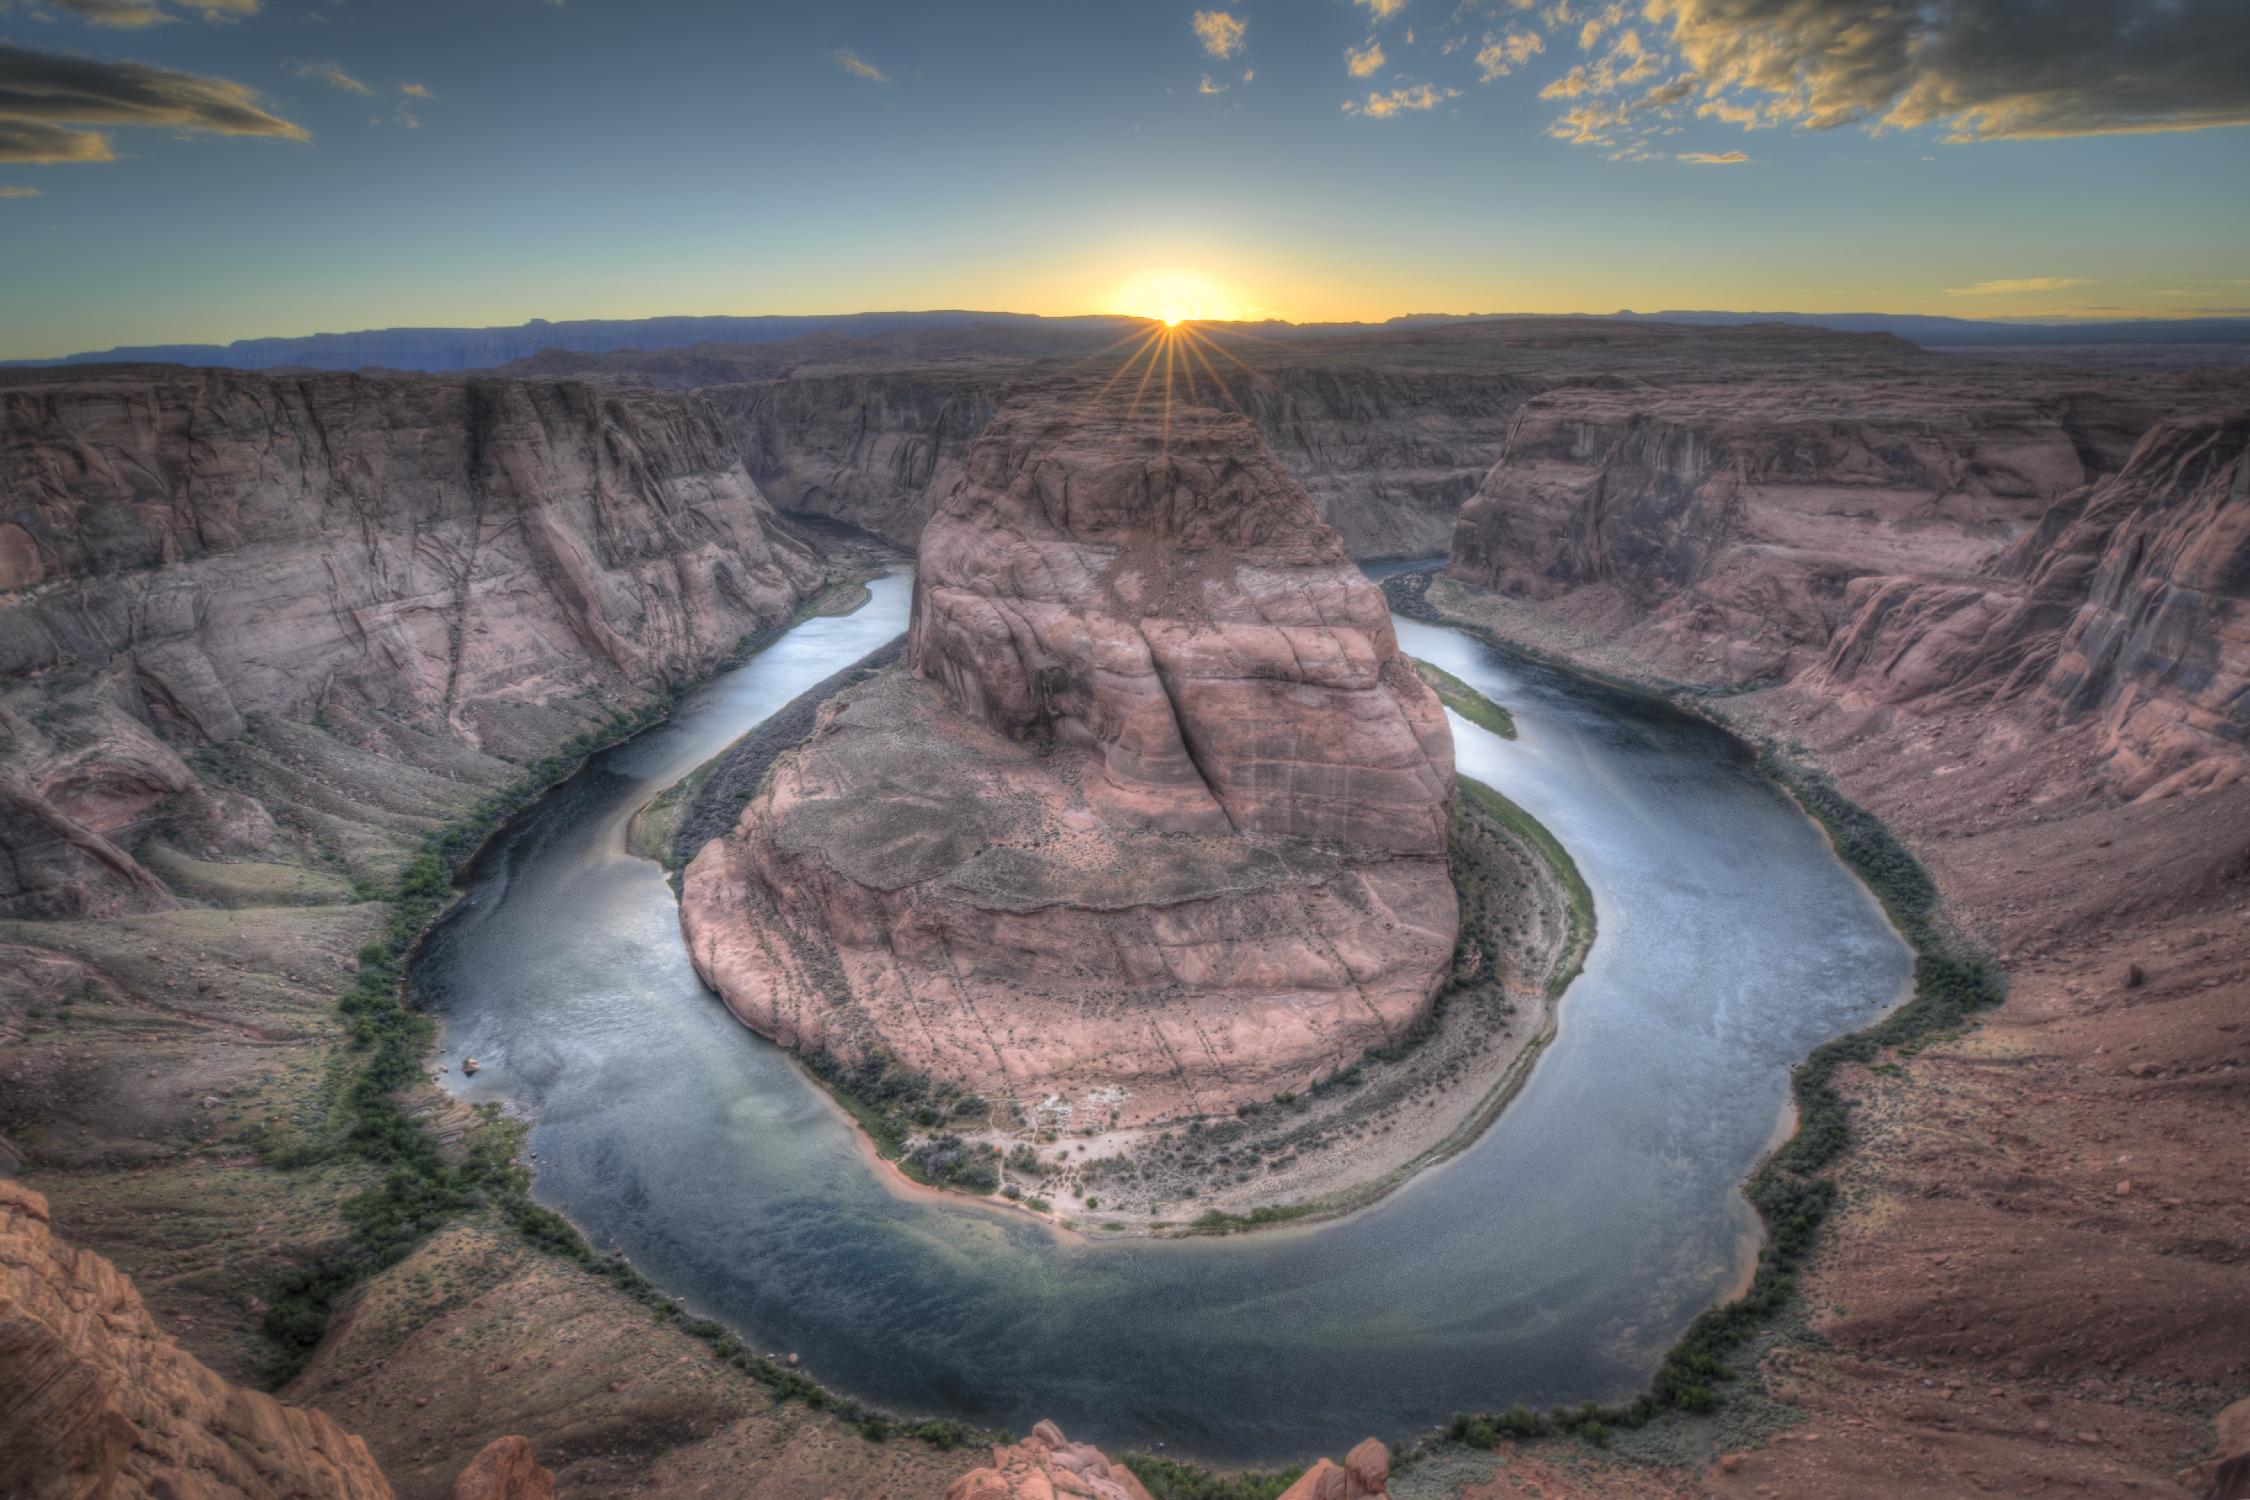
x: 1554, y: 1259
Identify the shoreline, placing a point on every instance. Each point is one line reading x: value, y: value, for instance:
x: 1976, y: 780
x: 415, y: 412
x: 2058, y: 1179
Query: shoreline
x: 1495, y: 1024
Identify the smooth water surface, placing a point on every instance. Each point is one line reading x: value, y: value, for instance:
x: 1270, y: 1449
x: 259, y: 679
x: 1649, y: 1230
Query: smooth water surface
x: 1553, y: 1260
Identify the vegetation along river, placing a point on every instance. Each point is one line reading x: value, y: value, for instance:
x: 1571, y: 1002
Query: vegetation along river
x: 1554, y: 1259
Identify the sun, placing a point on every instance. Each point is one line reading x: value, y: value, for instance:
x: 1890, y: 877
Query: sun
x: 1173, y: 296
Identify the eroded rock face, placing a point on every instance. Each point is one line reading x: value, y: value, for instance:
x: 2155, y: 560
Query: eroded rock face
x: 1723, y: 524
x: 189, y: 550
x: 1156, y: 823
x: 97, y: 1401
x: 2121, y: 612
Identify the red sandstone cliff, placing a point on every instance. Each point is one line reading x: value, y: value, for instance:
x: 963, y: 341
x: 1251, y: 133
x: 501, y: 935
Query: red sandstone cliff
x: 481, y: 562
x: 1155, y: 826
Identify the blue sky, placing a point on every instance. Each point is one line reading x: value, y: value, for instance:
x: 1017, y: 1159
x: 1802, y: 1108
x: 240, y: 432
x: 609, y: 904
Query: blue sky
x: 598, y: 158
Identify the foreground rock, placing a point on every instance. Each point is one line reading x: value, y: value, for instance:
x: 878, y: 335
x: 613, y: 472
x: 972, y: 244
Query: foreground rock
x: 96, y: 1400
x: 1047, y: 1465
x: 421, y: 565
x: 505, y: 1470
x: 1155, y: 826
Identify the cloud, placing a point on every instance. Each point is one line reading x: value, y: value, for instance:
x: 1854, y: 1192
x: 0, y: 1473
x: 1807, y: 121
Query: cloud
x: 1383, y: 9
x: 1981, y: 69
x: 2014, y: 285
x: 850, y: 62
x: 1381, y: 106
x: 1628, y: 61
x: 1361, y: 62
x: 45, y: 96
x: 1220, y: 32
x: 8, y: 191
x: 1501, y: 56
x: 1208, y: 87
x: 416, y: 91
x: 132, y: 15
x: 1713, y: 158
x: 334, y: 77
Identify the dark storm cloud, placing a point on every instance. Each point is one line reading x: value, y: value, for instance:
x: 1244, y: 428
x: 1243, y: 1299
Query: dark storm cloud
x: 1987, y: 69
x: 43, y: 95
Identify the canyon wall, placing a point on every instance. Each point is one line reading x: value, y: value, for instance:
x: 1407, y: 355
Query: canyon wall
x: 480, y: 563
x: 1387, y: 455
x: 97, y: 1401
x: 2121, y: 616
x: 1153, y: 826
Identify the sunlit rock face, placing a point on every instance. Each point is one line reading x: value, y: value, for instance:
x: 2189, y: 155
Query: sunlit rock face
x: 100, y: 1401
x: 423, y: 564
x: 1153, y: 820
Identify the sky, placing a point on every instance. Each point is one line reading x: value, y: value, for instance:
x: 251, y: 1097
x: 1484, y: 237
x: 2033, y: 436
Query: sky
x: 205, y: 170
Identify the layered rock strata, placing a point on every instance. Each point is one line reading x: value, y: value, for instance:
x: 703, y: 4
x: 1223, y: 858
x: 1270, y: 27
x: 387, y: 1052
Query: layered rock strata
x: 1153, y: 826
x: 480, y: 563
x: 1047, y: 1464
x: 2121, y: 615
x: 96, y: 1400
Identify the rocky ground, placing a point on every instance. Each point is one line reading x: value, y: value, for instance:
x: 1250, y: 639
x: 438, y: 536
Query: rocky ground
x: 2038, y: 1281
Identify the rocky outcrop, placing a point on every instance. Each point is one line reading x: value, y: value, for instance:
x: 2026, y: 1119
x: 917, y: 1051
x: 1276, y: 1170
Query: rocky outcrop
x: 1044, y: 1466
x: 2225, y: 1474
x: 1365, y: 1474
x: 1047, y: 1465
x: 1154, y: 826
x: 189, y: 550
x: 97, y: 1401
x: 2122, y: 612
x: 505, y: 1470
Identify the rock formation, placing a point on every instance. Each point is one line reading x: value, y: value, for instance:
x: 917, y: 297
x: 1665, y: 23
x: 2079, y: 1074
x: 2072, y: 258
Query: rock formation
x: 1155, y: 824
x: 97, y: 1401
x: 1046, y: 1466
x: 1722, y: 522
x: 487, y: 563
x: 2122, y: 611
x: 505, y: 1470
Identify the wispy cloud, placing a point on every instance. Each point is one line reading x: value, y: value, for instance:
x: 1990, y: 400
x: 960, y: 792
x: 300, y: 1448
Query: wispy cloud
x: 1384, y: 104
x: 11, y: 191
x: 2009, y: 286
x: 1383, y: 9
x: 1361, y: 61
x: 416, y: 91
x: 47, y: 100
x: 1713, y: 158
x: 132, y: 15
x: 1208, y: 87
x: 334, y: 76
x: 1221, y: 32
x: 1502, y: 55
x: 852, y: 63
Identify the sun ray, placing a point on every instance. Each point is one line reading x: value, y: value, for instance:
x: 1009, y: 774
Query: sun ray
x: 1149, y: 339
x: 1194, y: 343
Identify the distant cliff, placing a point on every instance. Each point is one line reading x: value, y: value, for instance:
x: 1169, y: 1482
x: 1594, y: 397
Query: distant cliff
x: 485, y: 563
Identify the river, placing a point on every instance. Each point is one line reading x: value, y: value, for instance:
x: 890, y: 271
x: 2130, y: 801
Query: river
x: 1554, y: 1259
